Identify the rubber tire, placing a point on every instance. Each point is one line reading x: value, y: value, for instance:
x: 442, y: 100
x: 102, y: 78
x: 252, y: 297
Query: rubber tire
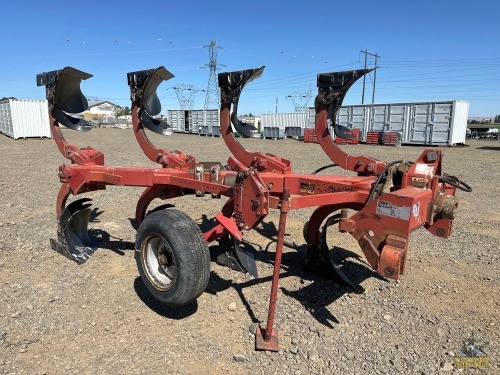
x: 191, y: 255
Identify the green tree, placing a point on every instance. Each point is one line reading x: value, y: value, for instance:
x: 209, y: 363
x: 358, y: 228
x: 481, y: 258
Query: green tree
x: 497, y: 119
x: 125, y: 111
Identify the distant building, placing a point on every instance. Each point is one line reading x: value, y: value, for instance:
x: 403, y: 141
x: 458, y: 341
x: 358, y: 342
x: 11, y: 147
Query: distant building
x: 251, y: 120
x: 480, y: 120
x: 100, y: 109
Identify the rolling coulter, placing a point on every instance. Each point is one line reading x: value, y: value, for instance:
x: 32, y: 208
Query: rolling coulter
x: 389, y: 200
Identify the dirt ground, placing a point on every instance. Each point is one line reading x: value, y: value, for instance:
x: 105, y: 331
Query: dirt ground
x: 57, y: 317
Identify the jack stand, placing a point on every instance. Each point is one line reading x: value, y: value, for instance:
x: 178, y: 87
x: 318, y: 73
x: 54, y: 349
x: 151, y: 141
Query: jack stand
x: 267, y: 339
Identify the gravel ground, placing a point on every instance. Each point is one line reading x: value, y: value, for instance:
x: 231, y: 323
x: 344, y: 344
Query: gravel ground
x: 60, y: 318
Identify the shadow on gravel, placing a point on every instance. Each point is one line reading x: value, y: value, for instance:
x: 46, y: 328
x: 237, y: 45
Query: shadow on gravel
x: 161, y: 309
x: 317, y: 296
x: 490, y: 148
x: 205, y: 223
x: 321, y: 293
x: 104, y: 240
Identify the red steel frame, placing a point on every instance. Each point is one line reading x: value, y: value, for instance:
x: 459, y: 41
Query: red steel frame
x: 256, y: 183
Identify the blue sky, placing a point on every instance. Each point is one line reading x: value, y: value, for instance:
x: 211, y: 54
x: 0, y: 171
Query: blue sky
x: 430, y: 50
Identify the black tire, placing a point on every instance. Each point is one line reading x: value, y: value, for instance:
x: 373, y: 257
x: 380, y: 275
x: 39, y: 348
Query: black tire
x: 172, y: 257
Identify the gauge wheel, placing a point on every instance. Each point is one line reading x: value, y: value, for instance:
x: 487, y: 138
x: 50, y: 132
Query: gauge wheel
x: 172, y: 257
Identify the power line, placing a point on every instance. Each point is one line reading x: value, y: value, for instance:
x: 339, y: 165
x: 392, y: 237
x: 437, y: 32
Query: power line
x: 293, y: 78
x: 446, y: 60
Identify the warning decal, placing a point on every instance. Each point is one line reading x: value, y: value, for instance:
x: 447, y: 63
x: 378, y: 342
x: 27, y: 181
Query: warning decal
x: 388, y: 209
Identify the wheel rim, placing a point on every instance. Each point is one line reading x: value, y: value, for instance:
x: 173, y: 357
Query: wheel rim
x: 158, y: 261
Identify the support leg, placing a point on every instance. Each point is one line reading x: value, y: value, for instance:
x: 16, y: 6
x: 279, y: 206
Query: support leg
x: 267, y: 339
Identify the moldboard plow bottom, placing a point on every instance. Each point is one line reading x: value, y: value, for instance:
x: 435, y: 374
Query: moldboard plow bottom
x: 379, y: 205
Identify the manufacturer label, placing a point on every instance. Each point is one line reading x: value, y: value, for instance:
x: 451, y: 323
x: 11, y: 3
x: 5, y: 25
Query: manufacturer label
x: 419, y: 182
x: 307, y: 188
x: 388, y: 209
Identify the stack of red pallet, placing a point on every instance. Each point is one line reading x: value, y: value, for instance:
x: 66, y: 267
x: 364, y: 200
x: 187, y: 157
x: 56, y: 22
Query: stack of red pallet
x: 391, y: 138
x: 310, y: 136
x: 373, y: 138
x: 343, y: 141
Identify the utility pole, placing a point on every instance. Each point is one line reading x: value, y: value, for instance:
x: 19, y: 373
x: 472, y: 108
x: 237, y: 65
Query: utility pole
x: 364, y: 78
x: 276, y: 104
x: 374, y: 77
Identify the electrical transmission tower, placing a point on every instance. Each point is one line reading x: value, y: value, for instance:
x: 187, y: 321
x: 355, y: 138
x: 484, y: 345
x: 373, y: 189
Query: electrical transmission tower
x: 300, y: 100
x: 212, y: 100
x: 185, y: 95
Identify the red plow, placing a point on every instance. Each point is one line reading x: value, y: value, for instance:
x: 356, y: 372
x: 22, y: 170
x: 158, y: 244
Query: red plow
x: 379, y: 205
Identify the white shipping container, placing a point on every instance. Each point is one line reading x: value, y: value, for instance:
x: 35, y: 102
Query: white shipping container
x: 458, y: 128
x: 211, y: 120
x: 203, y: 118
x: 211, y: 117
x: 175, y: 119
x: 437, y: 123
x: 285, y: 120
x: 24, y: 118
x: 189, y: 121
x: 422, y: 123
x: 195, y: 119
